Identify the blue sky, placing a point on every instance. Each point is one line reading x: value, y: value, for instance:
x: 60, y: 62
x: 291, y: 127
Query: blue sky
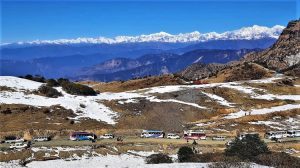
x: 31, y: 20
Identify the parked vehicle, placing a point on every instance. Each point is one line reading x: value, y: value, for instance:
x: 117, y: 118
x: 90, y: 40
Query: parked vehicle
x: 107, y: 136
x: 293, y: 133
x: 219, y: 138
x: 243, y: 135
x: 41, y: 139
x: 18, y: 145
x: 276, y: 139
x: 152, y: 134
x: 276, y: 134
x: 13, y: 139
x: 173, y: 136
x: 194, y: 134
x: 81, y: 136
x: 229, y: 143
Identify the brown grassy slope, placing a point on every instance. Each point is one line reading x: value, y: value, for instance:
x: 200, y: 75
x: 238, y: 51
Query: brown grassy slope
x: 23, y: 117
x: 242, y: 100
x: 242, y: 124
x: 274, y: 88
x: 118, y: 86
x: 241, y: 71
x: 151, y: 115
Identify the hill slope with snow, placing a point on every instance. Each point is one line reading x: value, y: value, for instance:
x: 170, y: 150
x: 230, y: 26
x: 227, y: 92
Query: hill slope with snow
x: 109, y: 107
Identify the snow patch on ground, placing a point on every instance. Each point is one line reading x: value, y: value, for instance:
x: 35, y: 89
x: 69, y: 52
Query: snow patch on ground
x: 243, y: 89
x: 277, y: 123
x: 280, y: 97
x: 163, y: 89
x: 219, y: 99
x: 19, y: 83
x: 141, y: 153
x: 262, y: 111
x: 267, y: 80
x: 271, y: 124
x: 205, y: 124
x: 153, y: 99
x: 59, y: 149
x: 92, y: 108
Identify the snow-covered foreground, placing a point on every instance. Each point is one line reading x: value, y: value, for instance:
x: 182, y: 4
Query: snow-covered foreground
x: 109, y: 161
x: 92, y: 106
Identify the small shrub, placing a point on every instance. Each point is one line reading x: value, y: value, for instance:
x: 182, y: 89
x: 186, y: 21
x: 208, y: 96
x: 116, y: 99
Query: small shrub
x: 247, y: 148
x: 46, y: 111
x: 10, y: 137
x: 230, y: 164
x: 82, y: 105
x: 6, y: 111
x: 279, y: 160
x: 52, y: 83
x: 185, y: 153
x: 158, y: 158
x: 48, y: 91
x: 288, y: 82
x: 36, y: 78
x: 77, y: 89
x: 28, y: 77
x: 62, y: 80
x: 289, y: 101
x: 5, y: 88
x: 72, y: 122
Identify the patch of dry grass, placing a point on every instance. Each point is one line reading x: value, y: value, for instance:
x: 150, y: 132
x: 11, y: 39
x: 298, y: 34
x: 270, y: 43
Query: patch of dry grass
x: 118, y: 86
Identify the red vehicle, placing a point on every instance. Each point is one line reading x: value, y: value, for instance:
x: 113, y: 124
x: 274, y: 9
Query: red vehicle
x: 194, y: 134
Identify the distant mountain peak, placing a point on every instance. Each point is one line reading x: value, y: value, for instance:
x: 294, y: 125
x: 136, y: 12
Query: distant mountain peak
x: 245, y: 33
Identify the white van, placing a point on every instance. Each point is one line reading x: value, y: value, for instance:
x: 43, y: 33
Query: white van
x: 18, y: 146
x: 17, y: 140
x: 219, y: 138
x: 41, y: 139
x: 107, y: 136
x: 173, y: 136
x: 293, y: 133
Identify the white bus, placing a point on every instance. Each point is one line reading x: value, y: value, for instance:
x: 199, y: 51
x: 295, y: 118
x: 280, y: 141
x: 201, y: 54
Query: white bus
x: 152, y: 134
x: 276, y: 134
x: 293, y: 133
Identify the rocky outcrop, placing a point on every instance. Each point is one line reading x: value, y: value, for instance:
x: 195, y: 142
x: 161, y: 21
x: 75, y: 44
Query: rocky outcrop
x: 284, y: 55
x: 199, y: 71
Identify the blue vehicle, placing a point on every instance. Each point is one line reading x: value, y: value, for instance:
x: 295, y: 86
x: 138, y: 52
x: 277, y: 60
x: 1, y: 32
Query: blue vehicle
x: 81, y: 136
x: 152, y: 134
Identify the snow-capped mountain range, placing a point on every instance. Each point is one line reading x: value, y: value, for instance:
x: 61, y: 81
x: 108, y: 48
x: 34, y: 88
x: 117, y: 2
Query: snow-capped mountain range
x: 245, y: 33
